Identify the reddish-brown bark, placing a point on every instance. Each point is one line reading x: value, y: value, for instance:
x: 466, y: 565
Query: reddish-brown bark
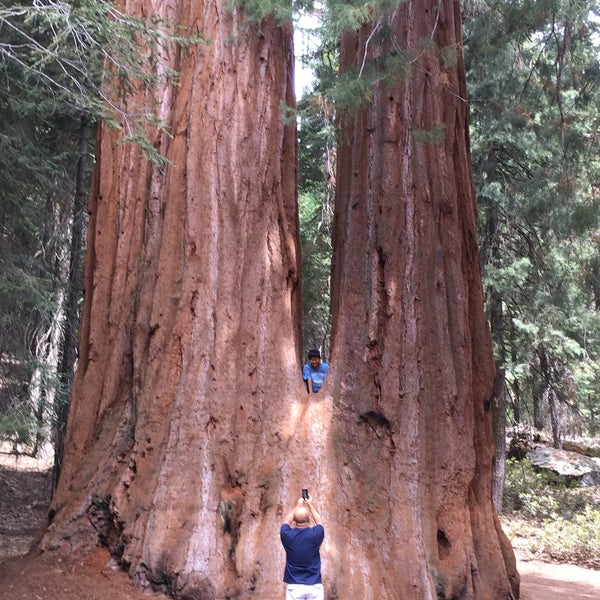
x: 412, y: 362
x: 190, y: 431
x: 189, y: 347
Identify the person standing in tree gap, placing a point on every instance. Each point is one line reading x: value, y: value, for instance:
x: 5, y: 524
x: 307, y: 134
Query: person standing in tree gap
x: 314, y: 372
x: 302, y: 542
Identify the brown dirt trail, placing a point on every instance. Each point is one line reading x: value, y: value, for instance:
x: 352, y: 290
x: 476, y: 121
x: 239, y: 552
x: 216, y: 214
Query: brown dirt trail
x: 24, y: 497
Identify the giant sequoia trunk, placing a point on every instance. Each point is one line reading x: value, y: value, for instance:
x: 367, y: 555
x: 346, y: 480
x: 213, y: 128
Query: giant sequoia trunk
x: 190, y: 431
x: 413, y: 372
x: 189, y: 348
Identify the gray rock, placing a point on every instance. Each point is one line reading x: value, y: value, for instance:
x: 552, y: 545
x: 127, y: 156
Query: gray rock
x: 570, y: 464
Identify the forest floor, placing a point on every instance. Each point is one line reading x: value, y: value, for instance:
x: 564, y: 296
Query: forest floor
x: 24, y: 497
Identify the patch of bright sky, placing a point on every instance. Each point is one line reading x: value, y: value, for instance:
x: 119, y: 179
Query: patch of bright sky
x: 595, y: 19
x: 306, y: 38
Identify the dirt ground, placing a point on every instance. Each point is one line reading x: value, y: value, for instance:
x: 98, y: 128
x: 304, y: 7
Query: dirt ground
x: 24, y: 496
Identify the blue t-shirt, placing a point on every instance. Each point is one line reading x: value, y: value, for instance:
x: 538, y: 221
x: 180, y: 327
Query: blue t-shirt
x: 317, y: 375
x: 302, y: 558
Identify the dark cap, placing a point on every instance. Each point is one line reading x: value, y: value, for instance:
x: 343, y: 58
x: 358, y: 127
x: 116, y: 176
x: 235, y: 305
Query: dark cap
x: 314, y: 354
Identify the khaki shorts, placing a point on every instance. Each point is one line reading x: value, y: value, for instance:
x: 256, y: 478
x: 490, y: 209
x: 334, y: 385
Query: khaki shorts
x: 297, y: 591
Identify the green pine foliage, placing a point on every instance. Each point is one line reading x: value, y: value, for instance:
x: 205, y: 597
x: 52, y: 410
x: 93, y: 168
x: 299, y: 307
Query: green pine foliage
x: 534, y: 84
x: 256, y: 11
x: 36, y: 152
x: 316, y: 143
x: 91, y: 57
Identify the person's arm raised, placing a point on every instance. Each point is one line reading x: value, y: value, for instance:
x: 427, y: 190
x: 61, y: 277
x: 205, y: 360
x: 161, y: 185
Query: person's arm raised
x: 314, y: 512
x: 289, y: 519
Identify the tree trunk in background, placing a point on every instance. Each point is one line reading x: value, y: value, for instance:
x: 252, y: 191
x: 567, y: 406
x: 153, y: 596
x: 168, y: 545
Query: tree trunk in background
x: 537, y: 398
x: 68, y: 360
x: 180, y: 429
x: 47, y: 332
x: 549, y: 395
x: 63, y: 242
x: 515, y: 388
x: 412, y: 366
x: 499, y: 429
x: 497, y: 326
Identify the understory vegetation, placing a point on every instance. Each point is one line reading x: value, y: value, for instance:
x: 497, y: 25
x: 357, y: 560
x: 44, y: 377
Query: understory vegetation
x: 551, y: 517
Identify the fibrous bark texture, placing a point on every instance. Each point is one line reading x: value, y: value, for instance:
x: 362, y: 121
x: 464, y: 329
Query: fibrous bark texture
x: 190, y: 432
x: 412, y: 377
x: 189, y: 359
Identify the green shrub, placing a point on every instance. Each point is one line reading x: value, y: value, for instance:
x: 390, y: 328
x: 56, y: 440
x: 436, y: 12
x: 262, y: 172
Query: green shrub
x: 18, y: 427
x: 560, y: 520
x: 576, y: 540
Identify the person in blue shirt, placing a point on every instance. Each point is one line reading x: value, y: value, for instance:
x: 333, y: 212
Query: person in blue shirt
x: 314, y: 372
x: 302, y: 542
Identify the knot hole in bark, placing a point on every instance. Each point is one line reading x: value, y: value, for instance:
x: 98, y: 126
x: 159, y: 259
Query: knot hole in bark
x: 444, y: 544
x: 268, y: 484
x: 230, y: 509
x: 376, y: 420
x: 107, y: 527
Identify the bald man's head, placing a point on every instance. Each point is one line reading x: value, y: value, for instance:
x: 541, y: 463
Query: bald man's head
x: 301, y: 516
